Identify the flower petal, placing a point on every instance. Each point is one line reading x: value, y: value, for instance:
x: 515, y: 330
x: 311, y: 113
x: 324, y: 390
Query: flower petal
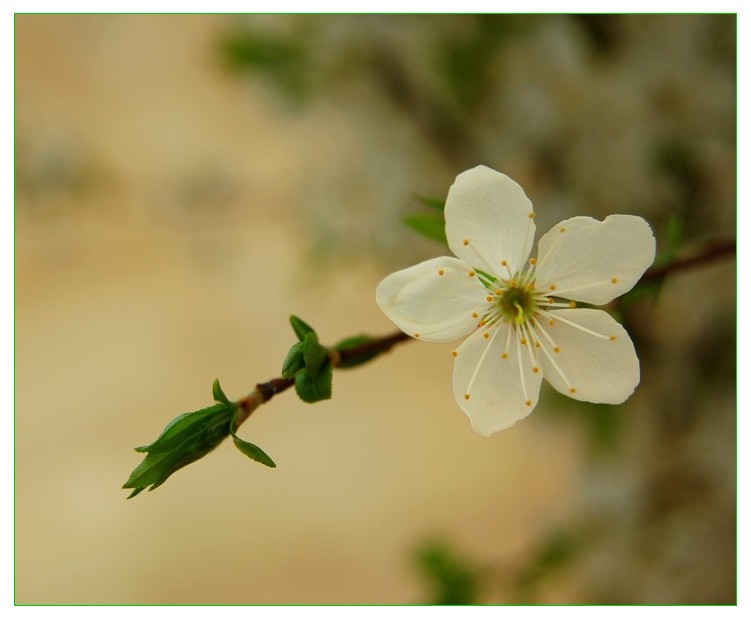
x: 591, y: 261
x: 489, y: 219
x: 490, y: 388
x: 433, y: 300
x: 601, y: 369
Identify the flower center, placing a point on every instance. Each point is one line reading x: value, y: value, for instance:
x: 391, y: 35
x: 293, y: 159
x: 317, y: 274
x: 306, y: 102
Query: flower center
x: 516, y: 304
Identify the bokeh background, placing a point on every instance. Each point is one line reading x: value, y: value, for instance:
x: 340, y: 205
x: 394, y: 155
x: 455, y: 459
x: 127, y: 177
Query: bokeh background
x: 184, y: 183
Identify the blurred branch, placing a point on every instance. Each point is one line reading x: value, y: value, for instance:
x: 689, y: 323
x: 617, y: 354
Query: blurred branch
x: 710, y: 253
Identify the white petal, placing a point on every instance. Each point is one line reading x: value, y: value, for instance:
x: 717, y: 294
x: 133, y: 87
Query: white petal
x: 497, y: 397
x: 433, y: 300
x: 592, y: 261
x: 489, y: 219
x: 601, y: 370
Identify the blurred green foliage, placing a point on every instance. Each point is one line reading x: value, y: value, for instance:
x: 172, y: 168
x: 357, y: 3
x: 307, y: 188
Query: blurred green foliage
x: 449, y: 577
x: 281, y: 59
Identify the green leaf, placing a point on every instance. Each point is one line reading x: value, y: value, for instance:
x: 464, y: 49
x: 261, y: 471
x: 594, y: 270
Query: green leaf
x: 300, y: 327
x: 312, y: 388
x: 554, y: 553
x: 283, y: 60
x: 185, y: 439
x: 430, y: 226
x: 452, y: 578
x: 487, y: 280
x: 248, y: 449
x: 254, y: 452
x: 218, y: 393
x: 429, y: 201
x: 314, y: 353
x: 294, y: 361
x: 356, y: 341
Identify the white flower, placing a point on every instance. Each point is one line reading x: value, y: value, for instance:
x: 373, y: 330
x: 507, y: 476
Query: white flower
x: 514, y: 308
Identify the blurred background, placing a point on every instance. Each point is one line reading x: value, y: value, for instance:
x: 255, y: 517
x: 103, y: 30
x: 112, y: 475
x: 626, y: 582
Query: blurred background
x: 184, y: 183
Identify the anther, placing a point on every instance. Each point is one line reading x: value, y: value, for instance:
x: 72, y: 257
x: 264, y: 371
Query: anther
x: 470, y: 274
x: 533, y: 261
x: 489, y: 298
x: 475, y: 315
x: 551, y: 322
x: 523, y: 341
x: 466, y: 396
x: 537, y: 344
x: 504, y: 263
x: 527, y: 403
x: 552, y: 287
x: 441, y: 272
x: 612, y: 338
x: 454, y: 353
x: 531, y: 214
x: 486, y: 335
x: 572, y: 390
x: 556, y: 349
x: 535, y: 369
x: 498, y: 291
x: 482, y: 323
x: 614, y: 280
x: 572, y: 304
x: 417, y: 335
x: 562, y: 229
x: 466, y: 242
x: 504, y: 355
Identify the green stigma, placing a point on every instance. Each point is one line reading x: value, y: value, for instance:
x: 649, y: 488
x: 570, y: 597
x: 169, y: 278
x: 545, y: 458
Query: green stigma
x: 516, y: 304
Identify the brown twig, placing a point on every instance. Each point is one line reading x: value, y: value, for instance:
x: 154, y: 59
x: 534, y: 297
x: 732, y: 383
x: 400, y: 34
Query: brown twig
x: 265, y: 391
x: 709, y: 253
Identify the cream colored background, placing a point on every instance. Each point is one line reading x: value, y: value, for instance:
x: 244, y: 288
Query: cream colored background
x: 131, y: 298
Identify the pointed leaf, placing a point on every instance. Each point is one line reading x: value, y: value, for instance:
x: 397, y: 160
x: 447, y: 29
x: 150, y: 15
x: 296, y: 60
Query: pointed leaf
x: 254, y: 452
x: 300, y: 327
x: 314, y: 353
x: 314, y: 388
x: 218, y: 393
x: 248, y: 449
x: 355, y: 341
x: 186, y: 439
x: 430, y: 201
x: 430, y: 226
x: 294, y: 361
